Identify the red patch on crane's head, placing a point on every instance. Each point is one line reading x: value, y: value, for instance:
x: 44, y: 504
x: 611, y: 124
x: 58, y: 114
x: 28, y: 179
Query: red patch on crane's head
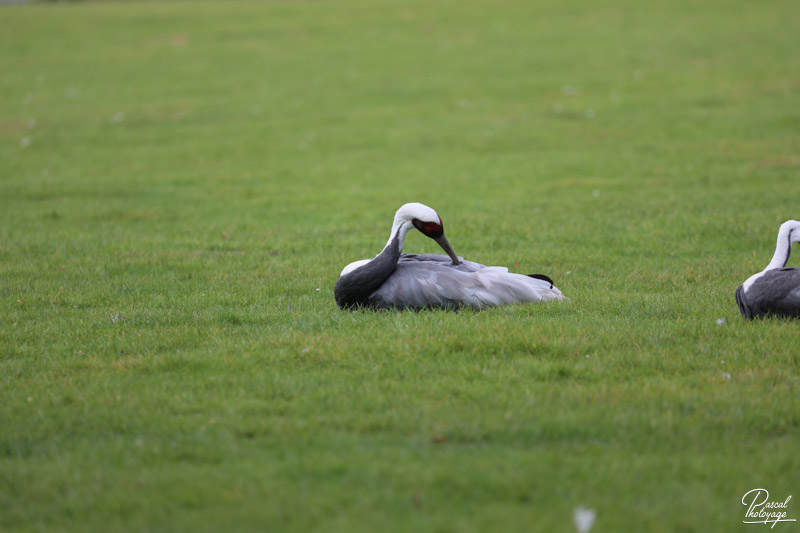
x: 431, y: 229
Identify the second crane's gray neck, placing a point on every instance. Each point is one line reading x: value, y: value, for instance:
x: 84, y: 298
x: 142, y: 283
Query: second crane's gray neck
x: 354, y: 288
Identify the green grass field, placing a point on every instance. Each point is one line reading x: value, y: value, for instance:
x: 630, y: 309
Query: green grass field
x: 181, y: 184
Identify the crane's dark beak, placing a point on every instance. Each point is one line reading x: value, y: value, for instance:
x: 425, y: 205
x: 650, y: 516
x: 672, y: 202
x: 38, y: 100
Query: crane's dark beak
x: 441, y: 240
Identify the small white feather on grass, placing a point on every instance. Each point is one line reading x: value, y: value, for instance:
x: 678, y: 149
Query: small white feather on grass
x: 584, y: 519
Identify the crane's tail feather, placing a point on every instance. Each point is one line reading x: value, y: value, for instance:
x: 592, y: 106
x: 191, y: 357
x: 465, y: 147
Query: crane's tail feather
x: 543, y: 278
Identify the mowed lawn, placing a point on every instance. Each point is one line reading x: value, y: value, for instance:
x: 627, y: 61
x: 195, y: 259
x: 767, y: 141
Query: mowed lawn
x: 181, y: 184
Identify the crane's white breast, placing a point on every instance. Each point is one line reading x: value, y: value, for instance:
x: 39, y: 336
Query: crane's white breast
x: 354, y: 265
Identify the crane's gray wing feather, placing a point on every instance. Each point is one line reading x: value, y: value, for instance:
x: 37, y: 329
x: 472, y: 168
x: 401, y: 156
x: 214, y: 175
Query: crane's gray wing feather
x: 465, y: 266
x: 777, y: 292
x: 418, y: 284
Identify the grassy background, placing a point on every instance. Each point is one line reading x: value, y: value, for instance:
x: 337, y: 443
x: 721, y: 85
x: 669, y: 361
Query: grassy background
x: 181, y: 183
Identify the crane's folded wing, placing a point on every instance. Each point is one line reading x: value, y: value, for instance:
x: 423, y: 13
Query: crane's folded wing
x: 417, y: 283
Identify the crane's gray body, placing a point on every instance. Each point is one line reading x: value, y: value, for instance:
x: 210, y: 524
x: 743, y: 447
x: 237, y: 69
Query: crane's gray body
x: 431, y: 280
x: 775, y: 292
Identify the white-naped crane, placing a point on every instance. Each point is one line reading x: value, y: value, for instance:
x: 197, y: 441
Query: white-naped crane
x: 776, y: 289
x: 416, y: 281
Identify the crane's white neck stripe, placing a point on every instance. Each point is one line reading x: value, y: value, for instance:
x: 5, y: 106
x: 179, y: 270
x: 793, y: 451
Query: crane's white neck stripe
x: 400, y: 228
x: 783, y: 250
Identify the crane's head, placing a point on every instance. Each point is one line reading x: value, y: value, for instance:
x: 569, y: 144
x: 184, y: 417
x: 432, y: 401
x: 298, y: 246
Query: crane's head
x: 428, y: 222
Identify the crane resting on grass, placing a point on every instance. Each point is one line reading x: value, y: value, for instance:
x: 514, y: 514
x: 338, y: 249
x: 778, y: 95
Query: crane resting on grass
x: 776, y: 289
x: 393, y: 279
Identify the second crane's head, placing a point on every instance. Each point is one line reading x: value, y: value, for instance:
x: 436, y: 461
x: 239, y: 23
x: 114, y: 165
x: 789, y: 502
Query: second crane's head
x: 428, y: 222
